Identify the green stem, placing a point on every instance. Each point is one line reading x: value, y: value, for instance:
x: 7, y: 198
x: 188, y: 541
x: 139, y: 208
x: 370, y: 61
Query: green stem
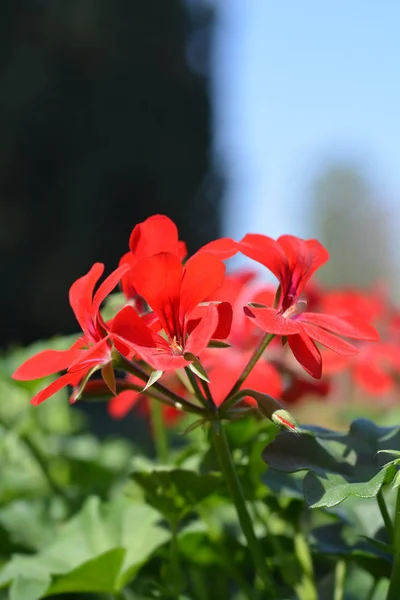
x: 268, y: 337
x: 120, y: 362
x: 385, y: 515
x: 195, y: 386
x: 158, y: 429
x: 208, y: 394
x: 229, y: 471
x: 394, y: 586
x: 340, y: 576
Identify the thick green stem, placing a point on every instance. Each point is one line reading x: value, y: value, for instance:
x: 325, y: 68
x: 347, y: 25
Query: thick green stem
x: 158, y: 429
x: 385, y: 515
x: 258, y: 352
x: 394, y: 586
x: 229, y: 471
x: 122, y: 363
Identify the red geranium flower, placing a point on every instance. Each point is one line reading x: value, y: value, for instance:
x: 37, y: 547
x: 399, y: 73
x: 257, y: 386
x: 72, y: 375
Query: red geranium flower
x: 156, y: 234
x: 374, y: 367
x: 225, y: 366
x: 293, y: 261
x: 173, y: 292
x: 91, y: 351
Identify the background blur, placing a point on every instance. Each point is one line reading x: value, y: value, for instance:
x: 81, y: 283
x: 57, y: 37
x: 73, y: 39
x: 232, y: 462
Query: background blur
x: 276, y: 117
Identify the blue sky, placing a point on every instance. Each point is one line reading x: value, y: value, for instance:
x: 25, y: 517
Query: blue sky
x: 297, y: 84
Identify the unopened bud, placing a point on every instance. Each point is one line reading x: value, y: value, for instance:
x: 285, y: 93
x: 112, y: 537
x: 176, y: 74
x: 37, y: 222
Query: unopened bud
x: 284, y: 418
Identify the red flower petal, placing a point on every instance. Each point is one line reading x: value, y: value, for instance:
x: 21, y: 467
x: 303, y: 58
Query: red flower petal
x: 225, y: 314
x: 203, y: 275
x: 119, y: 406
x: 373, y: 378
x: 306, y: 353
x: 162, y: 359
x: 329, y: 340
x: 223, y: 248
x: 264, y: 250
x: 270, y: 321
x: 201, y: 335
x: 81, y: 294
x: 98, y: 354
x: 348, y: 327
x: 156, y: 234
x: 303, y: 258
x: 129, y: 326
x: 158, y: 279
x: 225, y: 368
x: 45, y: 363
x: 57, y: 385
x: 107, y: 286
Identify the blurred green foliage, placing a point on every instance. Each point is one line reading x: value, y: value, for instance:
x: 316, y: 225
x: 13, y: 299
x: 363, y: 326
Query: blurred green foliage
x: 83, y: 516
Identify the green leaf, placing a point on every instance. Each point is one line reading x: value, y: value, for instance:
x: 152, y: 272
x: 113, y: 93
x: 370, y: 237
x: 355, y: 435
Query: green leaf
x: 382, y: 546
x: 339, y: 464
x: 126, y: 532
x: 289, y: 453
x: 99, y: 574
x: 331, y: 490
x: 174, y: 492
x: 28, y: 589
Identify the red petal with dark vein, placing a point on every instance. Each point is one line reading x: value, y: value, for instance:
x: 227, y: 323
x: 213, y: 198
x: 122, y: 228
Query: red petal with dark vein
x: 98, y: 354
x: 203, y: 275
x: 270, y: 321
x: 158, y: 280
x: 162, y: 359
x: 303, y: 258
x: 130, y: 327
x: 348, y: 327
x: 307, y: 354
x: 329, y: 340
x: 201, y: 335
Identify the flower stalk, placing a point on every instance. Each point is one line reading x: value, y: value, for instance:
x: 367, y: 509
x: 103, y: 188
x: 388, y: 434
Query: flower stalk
x: 230, y: 474
x: 258, y: 352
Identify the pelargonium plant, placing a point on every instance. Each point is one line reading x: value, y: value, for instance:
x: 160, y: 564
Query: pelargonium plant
x: 188, y: 341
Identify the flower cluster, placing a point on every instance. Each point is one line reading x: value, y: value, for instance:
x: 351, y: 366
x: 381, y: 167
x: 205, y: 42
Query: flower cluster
x: 187, y: 328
